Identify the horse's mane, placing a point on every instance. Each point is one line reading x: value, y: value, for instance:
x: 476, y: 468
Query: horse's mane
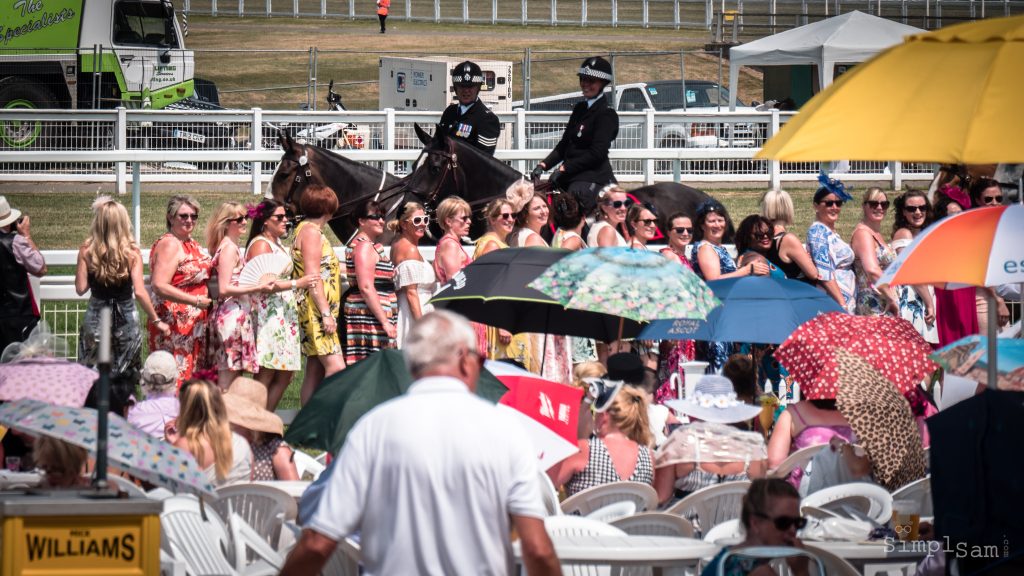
x: 466, y: 148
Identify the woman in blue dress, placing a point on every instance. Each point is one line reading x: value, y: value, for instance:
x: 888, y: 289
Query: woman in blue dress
x: 711, y: 261
x: 832, y: 256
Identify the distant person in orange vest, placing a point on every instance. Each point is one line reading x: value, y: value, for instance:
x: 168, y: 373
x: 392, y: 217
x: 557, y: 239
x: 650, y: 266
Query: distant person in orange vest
x: 382, y: 12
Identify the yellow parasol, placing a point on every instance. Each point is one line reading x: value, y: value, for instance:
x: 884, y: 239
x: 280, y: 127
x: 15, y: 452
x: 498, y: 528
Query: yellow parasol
x: 951, y: 96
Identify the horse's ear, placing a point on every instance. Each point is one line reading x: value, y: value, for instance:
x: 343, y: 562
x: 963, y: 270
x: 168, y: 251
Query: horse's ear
x: 285, y: 140
x: 422, y: 134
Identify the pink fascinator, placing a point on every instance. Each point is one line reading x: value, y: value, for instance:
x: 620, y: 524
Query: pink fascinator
x: 519, y: 194
x: 956, y: 194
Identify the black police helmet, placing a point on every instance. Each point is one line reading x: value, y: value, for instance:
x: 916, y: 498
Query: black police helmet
x: 596, y: 67
x: 467, y: 73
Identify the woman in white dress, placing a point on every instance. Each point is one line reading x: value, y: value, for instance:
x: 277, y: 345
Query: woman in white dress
x: 917, y: 303
x: 612, y: 204
x: 415, y: 281
x: 529, y: 222
x: 642, y: 225
x: 275, y: 315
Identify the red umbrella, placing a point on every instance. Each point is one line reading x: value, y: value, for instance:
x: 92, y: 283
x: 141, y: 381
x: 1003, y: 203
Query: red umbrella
x: 554, y: 405
x: 891, y: 346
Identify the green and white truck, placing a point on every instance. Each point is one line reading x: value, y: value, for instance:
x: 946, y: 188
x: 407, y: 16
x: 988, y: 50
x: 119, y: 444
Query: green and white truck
x: 87, y: 54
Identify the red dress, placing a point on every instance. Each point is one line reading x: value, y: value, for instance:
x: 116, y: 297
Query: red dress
x: 672, y: 353
x: 956, y: 314
x: 187, y: 340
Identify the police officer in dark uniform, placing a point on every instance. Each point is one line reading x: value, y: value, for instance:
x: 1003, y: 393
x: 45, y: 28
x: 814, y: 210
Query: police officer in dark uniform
x: 583, y: 149
x: 469, y: 118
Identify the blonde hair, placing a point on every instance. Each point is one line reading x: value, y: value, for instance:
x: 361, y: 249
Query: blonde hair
x: 204, y: 415
x: 59, y: 458
x: 408, y: 209
x: 451, y: 207
x: 217, y: 227
x: 493, y: 208
x: 111, y: 244
x: 587, y: 370
x: 777, y: 206
x: 603, y: 195
x: 176, y: 202
x: 628, y: 413
x: 873, y: 193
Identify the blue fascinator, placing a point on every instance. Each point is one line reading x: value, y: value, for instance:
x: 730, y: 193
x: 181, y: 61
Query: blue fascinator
x: 710, y: 205
x: 831, y: 186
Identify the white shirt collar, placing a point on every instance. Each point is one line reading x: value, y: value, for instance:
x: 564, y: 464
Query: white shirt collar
x: 594, y: 99
x: 430, y: 384
x: 463, y: 108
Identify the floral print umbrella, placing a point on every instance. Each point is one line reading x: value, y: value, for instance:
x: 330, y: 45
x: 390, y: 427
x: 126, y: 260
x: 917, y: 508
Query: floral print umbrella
x: 128, y: 449
x: 634, y: 284
x: 892, y: 346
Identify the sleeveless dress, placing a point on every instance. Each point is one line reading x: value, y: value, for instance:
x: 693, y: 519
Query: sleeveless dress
x: 790, y: 269
x: 187, y: 341
x: 518, y: 238
x: 595, y: 230
x: 814, y: 436
x: 409, y: 273
x: 911, y: 305
x: 518, y: 348
x: 442, y: 276
x: 715, y: 353
x: 601, y: 470
x: 276, y: 322
x: 773, y: 270
x: 834, y: 260
x: 869, y: 301
x: 580, y: 349
x: 263, y: 459
x: 126, y: 338
x: 234, y: 341
x: 672, y: 353
x: 315, y: 342
x: 364, y: 334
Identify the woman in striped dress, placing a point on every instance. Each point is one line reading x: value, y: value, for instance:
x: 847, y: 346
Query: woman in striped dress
x: 370, y: 304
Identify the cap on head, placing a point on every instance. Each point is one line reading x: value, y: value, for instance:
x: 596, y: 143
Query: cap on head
x: 467, y: 74
x: 596, y: 67
x: 160, y: 372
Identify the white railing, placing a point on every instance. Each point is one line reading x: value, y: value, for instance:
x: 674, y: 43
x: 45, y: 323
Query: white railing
x: 241, y: 146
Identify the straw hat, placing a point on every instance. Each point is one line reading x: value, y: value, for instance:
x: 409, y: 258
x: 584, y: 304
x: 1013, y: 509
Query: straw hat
x: 246, y: 401
x: 7, y: 214
x: 714, y: 400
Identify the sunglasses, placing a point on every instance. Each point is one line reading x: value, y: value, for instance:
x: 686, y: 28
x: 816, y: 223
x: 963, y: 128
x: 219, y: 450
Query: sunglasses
x: 992, y: 199
x: 918, y: 208
x: 648, y: 221
x: 618, y: 203
x: 238, y: 220
x: 832, y: 203
x: 683, y: 230
x: 420, y: 220
x: 374, y: 217
x: 783, y: 523
x: 506, y: 215
x: 464, y: 218
x: 761, y: 235
x: 279, y: 217
x: 187, y: 217
x: 876, y: 204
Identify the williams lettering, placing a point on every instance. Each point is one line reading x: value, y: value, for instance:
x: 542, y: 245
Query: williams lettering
x: 42, y: 548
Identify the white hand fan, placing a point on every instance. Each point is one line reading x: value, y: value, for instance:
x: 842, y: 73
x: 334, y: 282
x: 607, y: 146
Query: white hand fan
x: 264, y: 267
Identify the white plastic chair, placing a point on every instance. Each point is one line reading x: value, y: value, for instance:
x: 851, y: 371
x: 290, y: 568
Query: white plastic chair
x: 345, y: 560
x: 834, y: 565
x: 829, y: 498
x: 655, y: 524
x: 613, y: 511
x: 589, y: 500
x: 126, y: 485
x: 728, y: 532
x: 919, y: 491
x: 709, y: 507
x: 199, y: 538
x: 264, y: 508
x: 251, y: 549
x: 566, y: 525
x: 307, y: 465
x: 799, y: 459
x: 772, y: 553
x: 548, y: 494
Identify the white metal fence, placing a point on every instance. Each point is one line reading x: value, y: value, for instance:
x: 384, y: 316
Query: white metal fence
x: 241, y: 146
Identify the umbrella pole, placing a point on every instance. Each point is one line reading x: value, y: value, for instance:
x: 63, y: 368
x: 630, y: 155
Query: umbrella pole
x: 103, y: 405
x: 622, y: 322
x: 993, y: 329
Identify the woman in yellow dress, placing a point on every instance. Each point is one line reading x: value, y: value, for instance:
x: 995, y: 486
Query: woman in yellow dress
x: 320, y: 304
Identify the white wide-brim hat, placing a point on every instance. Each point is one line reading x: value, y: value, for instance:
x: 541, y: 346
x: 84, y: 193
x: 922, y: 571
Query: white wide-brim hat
x: 714, y: 400
x: 7, y: 214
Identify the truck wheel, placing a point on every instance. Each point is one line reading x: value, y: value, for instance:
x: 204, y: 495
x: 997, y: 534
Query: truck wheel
x: 20, y: 94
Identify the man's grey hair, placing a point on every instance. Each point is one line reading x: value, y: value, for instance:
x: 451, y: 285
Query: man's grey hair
x: 436, y: 339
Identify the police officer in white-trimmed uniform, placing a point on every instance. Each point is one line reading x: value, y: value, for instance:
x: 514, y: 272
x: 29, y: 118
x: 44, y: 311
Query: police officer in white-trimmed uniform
x: 469, y: 118
x: 583, y: 149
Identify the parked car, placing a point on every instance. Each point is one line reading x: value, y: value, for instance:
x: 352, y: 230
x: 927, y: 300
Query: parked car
x: 662, y: 96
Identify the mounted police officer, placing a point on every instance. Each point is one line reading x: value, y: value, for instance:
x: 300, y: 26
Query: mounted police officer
x: 469, y: 118
x: 583, y: 149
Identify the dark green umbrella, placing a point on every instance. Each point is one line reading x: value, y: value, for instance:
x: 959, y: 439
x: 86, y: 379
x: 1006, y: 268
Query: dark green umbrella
x: 324, y: 422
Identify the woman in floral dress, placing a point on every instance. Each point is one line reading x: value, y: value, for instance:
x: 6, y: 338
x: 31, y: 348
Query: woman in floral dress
x: 320, y: 304
x: 913, y: 213
x: 275, y: 316
x: 832, y: 257
x: 872, y: 255
x: 180, y: 268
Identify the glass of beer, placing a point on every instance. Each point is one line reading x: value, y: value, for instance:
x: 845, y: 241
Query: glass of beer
x: 906, y: 519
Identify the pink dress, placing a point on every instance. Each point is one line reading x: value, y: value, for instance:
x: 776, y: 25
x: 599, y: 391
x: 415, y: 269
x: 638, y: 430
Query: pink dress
x: 814, y: 436
x: 234, y: 339
x: 956, y: 314
x: 439, y: 271
x: 672, y: 353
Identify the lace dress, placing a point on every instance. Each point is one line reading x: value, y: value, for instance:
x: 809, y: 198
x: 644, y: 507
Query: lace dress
x: 187, y: 340
x: 276, y: 323
x: 409, y: 273
x: 364, y: 334
x: 234, y: 340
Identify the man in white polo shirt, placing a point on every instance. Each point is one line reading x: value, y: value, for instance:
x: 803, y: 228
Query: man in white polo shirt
x: 432, y: 478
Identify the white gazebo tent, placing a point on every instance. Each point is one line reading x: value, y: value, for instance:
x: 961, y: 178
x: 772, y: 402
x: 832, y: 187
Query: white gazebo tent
x: 847, y: 39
